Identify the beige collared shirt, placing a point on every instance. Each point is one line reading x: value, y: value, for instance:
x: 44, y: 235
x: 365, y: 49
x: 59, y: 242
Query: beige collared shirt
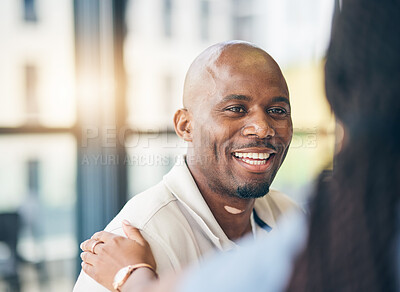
x: 180, y: 228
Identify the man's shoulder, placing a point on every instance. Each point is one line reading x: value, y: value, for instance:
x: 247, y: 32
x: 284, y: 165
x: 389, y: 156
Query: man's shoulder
x: 140, y: 209
x: 159, y: 216
x: 280, y: 200
x: 273, y: 206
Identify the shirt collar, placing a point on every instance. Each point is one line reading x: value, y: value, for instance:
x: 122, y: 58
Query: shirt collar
x: 181, y: 183
x: 263, y: 209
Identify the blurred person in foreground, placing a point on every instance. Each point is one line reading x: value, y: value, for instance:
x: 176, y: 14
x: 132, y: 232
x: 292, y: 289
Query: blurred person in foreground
x: 351, y: 240
x: 237, y: 122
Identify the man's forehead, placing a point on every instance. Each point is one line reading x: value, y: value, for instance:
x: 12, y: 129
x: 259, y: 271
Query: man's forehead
x: 241, y: 97
x: 240, y: 79
x: 241, y: 55
x: 242, y: 60
x: 226, y: 64
x: 245, y: 71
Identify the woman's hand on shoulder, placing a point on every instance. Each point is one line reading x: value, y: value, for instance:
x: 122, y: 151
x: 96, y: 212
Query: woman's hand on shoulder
x: 106, y: 253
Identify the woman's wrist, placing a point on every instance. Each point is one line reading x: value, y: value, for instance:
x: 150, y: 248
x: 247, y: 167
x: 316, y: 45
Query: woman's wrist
x: 140, y: 280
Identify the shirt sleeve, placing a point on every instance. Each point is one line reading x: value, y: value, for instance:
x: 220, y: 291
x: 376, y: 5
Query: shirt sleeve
x: 262, y: 265
x: 85, y: 283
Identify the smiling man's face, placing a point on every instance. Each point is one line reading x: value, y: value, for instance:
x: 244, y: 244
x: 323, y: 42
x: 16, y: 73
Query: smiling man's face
x: 241, y: 123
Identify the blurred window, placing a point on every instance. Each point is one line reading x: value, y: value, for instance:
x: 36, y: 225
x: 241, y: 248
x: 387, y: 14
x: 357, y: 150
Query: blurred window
x: 30, y: 13
x: 204, y: 20
x: 242, y: 20
x: 31, y: 94
x: 167, y: 17
x: 242, y: 27
x: 38, y: 174
x: 38, y: 156
x: 33, y: 175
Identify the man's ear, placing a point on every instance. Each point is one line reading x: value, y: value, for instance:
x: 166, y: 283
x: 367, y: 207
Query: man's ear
x: 183, y: 124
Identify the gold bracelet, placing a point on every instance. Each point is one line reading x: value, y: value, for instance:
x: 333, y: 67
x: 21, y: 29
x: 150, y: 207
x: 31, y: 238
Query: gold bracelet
x: 123, y: 274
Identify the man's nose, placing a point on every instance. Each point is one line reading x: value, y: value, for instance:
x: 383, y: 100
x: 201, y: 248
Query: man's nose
x: 258, y: 127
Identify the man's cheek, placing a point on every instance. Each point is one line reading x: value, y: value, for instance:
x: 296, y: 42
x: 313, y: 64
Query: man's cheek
x: 284, y: 132
x: 199, y: 139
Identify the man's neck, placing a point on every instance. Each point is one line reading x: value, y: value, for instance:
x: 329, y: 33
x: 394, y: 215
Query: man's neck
x: 232, y: 213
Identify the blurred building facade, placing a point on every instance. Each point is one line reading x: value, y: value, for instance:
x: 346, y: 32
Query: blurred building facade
x: 159, y: 52
x: 37, y: 149
x: 37, y: 63
x: 39, y: 107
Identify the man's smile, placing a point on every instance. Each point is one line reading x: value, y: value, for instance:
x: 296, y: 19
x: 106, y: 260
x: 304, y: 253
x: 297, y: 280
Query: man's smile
x: 254, y: 160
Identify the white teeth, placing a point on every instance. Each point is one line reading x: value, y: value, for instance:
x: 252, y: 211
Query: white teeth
x: 255, y: 162
x: 252, y: 155
x: 265, y: 155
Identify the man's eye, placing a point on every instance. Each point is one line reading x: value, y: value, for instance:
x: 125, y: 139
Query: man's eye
x: 236, y: 109
x: 277, y: 111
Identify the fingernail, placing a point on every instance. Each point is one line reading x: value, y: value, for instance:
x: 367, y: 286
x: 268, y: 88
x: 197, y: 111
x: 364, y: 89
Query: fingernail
x: 126, y: 222
x: 80, y: 246
x: 82, y: 263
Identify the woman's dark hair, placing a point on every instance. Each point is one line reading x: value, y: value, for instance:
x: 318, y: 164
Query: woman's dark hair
x: 354, y: 224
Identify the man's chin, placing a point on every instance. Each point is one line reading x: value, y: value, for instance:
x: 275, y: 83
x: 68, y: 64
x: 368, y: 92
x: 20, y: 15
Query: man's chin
x: 252, y: 191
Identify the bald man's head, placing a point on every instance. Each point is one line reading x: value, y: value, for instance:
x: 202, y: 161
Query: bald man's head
x: 236, y: 119
x: 214, y: 63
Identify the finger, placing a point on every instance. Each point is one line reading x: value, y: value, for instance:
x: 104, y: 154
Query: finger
x: 88, y: 257
x: 90, y: 245
x: 88, y: 269
x: 87, y: 245
x: 82, y: 246
x: 103, y: 236
x: 133, y: 233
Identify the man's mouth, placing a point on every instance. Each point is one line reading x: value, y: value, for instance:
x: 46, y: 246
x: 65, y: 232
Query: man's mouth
x: 256, y: 160
x: 253, y: 158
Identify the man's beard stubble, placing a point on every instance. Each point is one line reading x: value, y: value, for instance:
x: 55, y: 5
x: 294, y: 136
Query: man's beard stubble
x: 252, y: 191
x: 246, y: 191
